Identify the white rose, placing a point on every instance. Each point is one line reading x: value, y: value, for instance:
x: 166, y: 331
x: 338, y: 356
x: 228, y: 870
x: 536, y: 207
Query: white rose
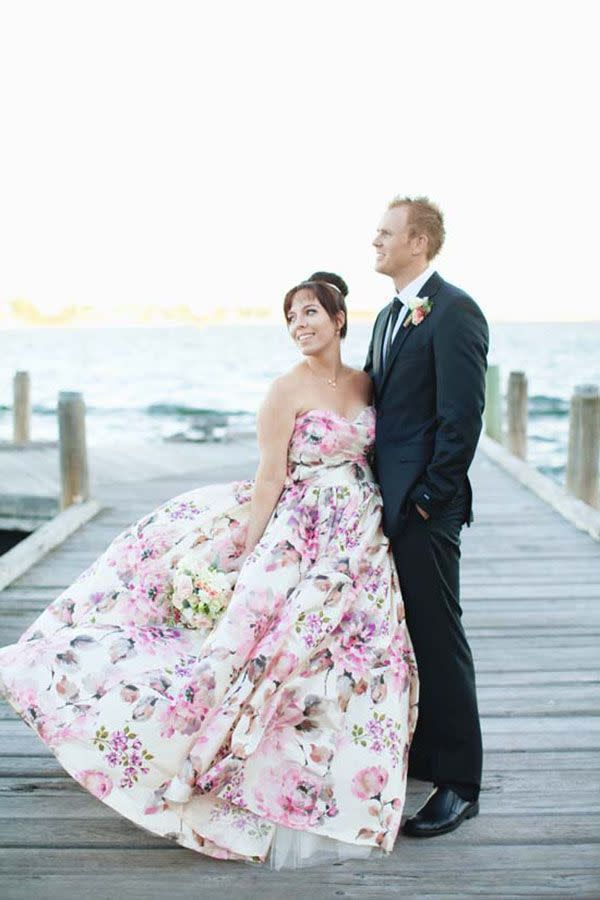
x: 184, y: 586
x: 188, y: 561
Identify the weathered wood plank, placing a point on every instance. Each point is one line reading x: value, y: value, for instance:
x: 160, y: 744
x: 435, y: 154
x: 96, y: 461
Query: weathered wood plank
x: 408, y: 859
x: 548, y: 678
x: 60, y: 796
x: 322, y: 883
x: 584, y: 887
x: 183, y: 463
x: 534, y: 659
x: 112, y: 830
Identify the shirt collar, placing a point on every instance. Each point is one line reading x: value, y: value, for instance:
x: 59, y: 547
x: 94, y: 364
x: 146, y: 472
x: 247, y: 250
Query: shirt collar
x: 412, y: 289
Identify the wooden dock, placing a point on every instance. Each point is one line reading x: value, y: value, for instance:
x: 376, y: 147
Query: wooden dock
x: 531, y: 597
x: 35, y: 469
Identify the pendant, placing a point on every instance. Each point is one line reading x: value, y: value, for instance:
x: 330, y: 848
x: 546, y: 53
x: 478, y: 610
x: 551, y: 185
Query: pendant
x: 332, y: 382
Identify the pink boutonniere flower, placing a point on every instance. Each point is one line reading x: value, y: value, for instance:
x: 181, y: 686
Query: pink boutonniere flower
x: 419, y: 308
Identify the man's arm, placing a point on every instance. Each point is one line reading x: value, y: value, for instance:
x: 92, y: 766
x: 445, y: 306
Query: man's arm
x: 460, y: 345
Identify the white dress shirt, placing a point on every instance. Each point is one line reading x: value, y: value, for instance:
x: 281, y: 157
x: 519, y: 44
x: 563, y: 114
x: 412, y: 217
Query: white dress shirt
x: 407, y: 293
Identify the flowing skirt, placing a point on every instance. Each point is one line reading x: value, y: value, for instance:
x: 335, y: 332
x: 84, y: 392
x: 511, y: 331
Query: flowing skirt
x: 279, y: 734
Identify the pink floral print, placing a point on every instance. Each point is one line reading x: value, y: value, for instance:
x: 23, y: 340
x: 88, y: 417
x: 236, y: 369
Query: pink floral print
x: 296, y: 708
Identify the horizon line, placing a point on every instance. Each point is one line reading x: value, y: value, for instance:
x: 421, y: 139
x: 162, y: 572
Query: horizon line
x: 23, y: 326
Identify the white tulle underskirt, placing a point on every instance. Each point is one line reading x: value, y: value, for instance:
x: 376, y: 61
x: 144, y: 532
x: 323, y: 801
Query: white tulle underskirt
x: 293, y: 849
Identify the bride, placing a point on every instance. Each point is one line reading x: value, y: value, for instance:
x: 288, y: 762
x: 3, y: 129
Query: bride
x: 277, y: 728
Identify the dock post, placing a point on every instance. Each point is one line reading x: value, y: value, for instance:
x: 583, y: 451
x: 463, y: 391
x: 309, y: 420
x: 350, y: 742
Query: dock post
x: 73, y: 452
x: 21, y: 407
x: 493, y: 404
x: 584, y: 444
x: 516, y: 409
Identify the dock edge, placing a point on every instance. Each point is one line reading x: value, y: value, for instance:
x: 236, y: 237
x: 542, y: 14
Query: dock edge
x: 580, y: 514
x: 45, y: 538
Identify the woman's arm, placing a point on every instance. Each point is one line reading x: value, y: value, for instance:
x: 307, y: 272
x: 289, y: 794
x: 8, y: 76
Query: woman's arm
x: 275, y: 424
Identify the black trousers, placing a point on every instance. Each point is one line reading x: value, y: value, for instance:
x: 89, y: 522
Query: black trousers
x: 446, y: 748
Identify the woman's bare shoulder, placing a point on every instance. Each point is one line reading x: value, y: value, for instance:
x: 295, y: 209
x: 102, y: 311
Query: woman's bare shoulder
x: 284, y: 388
x: 363, y: 382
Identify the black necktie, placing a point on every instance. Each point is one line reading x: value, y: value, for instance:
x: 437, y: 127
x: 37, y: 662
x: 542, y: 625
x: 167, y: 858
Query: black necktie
x: 396, y: 307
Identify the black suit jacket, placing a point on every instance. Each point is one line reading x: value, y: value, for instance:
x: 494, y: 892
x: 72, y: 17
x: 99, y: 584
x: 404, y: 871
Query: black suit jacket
x: 429, y: 400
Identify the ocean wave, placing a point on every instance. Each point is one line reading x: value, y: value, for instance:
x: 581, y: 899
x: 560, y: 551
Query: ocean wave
x: 36, y: 408
x: 41, y: 410
x: 543, y: 439
x: 538, y: 405
x: 176, y: 409
x: 552, y: 471
x: 162, y: 410
x: 542, y: 405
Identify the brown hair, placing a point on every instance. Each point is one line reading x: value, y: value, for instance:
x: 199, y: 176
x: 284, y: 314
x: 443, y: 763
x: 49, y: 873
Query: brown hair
x: 330, y: 291
x: 424, y: 218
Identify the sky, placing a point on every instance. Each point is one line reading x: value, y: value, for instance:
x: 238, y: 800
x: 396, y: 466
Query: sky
x: 215, y: 154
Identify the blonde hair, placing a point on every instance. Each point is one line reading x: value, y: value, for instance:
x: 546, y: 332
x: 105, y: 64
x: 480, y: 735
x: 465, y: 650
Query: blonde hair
x: 424, y: 218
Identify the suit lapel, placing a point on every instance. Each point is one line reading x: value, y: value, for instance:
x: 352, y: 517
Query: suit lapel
x: 430, y: 288
x: 378, y: 342
x: 403, y: 333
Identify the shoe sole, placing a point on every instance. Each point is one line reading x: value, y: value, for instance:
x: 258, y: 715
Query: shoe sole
x: 469, y: 814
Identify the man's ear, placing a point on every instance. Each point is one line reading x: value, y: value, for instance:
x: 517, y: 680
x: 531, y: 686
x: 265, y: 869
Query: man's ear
x: 420, y: 244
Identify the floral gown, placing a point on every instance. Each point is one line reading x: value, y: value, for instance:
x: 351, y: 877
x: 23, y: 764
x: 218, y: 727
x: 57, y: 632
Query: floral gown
x: 292, y: 715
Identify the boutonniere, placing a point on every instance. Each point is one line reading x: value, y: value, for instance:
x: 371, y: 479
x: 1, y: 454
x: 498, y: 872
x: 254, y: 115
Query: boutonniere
x: 419, y: 308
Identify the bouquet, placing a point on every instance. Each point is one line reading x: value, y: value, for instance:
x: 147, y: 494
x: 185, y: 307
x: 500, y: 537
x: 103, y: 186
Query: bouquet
x: 199, y: 594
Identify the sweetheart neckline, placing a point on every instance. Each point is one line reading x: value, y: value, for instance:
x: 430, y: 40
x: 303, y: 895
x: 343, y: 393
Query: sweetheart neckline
x: 334, y: 413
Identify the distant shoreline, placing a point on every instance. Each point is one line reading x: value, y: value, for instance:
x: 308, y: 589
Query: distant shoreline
x: 361, y: 316
x: 21, y: 314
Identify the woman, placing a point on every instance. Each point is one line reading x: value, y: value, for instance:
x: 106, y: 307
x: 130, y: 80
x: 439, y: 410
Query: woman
x: 278, y: 728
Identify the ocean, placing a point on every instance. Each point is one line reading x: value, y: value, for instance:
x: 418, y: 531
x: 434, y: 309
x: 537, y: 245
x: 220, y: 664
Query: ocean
x: 199, y: 384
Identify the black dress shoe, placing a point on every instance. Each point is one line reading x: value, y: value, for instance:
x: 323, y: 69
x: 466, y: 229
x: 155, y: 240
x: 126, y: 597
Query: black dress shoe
x: 443, y: 812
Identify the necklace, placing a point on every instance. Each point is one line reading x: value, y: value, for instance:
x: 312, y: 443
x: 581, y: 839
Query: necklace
x: 330, y: 381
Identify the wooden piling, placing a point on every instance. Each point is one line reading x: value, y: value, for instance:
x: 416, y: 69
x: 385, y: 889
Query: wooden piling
x: 21, y: 408
x: 493, y: 404
x: 516, y: 409
x: 584, y: 444
x: 73, y: 451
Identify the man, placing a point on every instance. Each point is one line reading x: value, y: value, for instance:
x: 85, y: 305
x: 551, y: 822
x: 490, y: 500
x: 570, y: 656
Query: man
x: 427, y: 359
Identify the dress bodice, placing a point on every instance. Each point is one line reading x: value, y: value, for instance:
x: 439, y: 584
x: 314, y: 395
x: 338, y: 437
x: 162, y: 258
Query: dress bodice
x: 324, y: 441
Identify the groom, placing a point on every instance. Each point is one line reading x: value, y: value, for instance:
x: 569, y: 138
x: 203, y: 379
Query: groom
x: 427, y: 360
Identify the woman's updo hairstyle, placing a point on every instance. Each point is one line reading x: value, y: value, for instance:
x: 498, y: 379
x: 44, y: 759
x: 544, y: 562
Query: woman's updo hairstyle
x: 329, y: 289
